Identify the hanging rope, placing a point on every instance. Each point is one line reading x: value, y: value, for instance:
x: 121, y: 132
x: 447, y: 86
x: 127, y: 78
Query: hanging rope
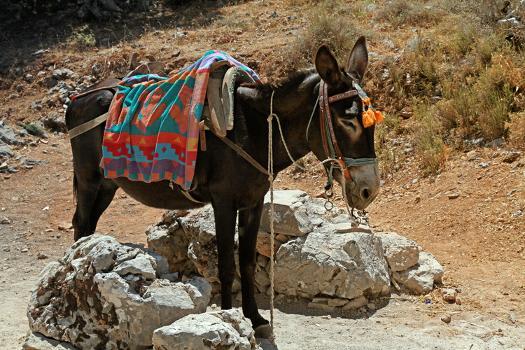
x: 270, y: 179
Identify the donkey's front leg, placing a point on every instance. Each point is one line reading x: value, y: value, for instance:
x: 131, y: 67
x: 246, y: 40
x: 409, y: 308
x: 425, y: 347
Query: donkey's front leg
x: 225, y: 217
x: 249, y: 221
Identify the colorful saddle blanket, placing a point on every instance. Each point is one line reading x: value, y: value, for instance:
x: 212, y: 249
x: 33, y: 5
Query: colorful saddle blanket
x: 152, y: 132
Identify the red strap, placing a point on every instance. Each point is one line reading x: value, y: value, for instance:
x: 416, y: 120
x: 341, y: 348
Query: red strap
x: 343, y: 96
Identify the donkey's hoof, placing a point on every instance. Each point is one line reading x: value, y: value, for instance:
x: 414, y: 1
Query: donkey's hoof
x: 264, y: 331
x: 266, y: 344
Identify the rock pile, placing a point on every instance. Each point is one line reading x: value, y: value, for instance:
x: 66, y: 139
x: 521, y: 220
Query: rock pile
x: 226, y: 329
x: 319, y: 255
x: 105, y: 294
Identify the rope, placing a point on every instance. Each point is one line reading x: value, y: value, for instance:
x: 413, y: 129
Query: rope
x: 270, y: 179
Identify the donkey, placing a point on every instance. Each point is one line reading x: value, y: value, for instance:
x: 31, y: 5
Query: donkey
x: 231, y: 184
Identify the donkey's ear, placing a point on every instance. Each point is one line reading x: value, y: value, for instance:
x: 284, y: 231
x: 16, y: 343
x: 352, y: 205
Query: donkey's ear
x: 358, y: 60
x: 327, y: 67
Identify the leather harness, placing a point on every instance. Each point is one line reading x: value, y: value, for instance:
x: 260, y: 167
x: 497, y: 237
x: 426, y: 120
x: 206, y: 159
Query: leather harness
x: 330, y: 145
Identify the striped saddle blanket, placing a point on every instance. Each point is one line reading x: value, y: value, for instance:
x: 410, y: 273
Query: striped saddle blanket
x: 152, y: 131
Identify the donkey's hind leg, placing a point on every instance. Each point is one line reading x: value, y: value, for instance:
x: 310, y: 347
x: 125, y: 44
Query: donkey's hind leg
x: 87, y: 188
x: 105, y: 194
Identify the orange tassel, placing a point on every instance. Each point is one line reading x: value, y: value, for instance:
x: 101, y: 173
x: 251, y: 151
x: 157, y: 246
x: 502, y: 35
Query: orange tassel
x: 379, y: 116
x: 369, y: 118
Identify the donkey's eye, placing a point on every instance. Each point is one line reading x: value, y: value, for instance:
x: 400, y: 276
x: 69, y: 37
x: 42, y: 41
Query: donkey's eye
x: 353, y: 111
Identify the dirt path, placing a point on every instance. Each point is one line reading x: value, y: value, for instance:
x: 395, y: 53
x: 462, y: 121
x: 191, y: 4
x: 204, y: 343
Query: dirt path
x: 478, y: 240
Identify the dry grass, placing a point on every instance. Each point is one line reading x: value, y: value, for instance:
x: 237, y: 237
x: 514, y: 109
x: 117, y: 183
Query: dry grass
x: 458, y: 73
x: 430, y: 146
x: 337, y: 32
x: 82, y: 37
x: 516, y: 127
x: 409, y: 13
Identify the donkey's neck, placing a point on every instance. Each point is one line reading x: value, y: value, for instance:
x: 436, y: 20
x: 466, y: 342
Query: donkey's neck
x: 293, y: 103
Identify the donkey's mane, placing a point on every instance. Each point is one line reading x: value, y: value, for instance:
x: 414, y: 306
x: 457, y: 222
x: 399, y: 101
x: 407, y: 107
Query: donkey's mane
x: 284, y: 86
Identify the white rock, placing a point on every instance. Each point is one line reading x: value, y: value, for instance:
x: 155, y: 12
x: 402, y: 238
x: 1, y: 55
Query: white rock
x: 400, y: 252
x: 290, y: 214
x: 227, y: 329
x: 345, y: 265
x: 421, y: 278
x: 36, y: 341
x: 105, y: 294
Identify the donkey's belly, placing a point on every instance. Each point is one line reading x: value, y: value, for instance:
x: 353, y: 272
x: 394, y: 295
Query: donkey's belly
x: 156, y: 194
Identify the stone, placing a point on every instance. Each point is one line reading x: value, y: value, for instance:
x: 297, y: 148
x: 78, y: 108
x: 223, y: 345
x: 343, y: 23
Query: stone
x: 453, y: 195
x: 8, y: 136
x: 511, y: 156
x: 4, y: 220
x: 171, y: 241
x: 337, y: 302
x: 63, y: 73
x: 420, y: 279
x: 400, y: 252
x: 262, y: 280
x: 227, y: 329
x: 54, y: 123
x: 264, y: 244
x: 446, y: 318
x: 105, y: 294
x: 321, y: 306
x: 346, y: 265
x: 356, y: 303
x: 190, y: 244
x: 449, y: 295
x: 290, y: 213
x: 36, y: 341
x: 35, y: 129
x: 5, y: 151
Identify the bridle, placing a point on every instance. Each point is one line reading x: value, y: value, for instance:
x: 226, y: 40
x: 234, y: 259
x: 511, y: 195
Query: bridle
x: 333, y: 153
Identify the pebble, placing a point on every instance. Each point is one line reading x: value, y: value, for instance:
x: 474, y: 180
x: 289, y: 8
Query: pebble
x: 24, y: 250
x: 449, y: 295
x: 484, y: 165
x: 41, y: 256
x: 453, y: 195
x: 511, y: 156
x: 4, y: 220
x: 446, y: 319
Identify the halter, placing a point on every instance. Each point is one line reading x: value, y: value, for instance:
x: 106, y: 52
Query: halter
x: 331, y: 148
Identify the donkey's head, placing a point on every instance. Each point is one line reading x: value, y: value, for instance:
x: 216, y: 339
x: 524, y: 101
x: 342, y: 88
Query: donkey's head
x: 347, y: 125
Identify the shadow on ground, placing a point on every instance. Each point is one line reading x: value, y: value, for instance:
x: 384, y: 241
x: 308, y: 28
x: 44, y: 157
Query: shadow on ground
x: 21, y: 40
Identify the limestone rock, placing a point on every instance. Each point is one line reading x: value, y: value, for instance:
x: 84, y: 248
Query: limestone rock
x: 227, y: 329
x: 8, y: 136
x: 291, y: 217
x: 36, y: 341
x: 421, y: 278
x: 264, y: 244
x: 167, y: 238
x: 5, y: 151
x: 356, y: 303
x: 105, y: 294
x: 190, y: 244
x: 347, y: 265
x: 400, y: 252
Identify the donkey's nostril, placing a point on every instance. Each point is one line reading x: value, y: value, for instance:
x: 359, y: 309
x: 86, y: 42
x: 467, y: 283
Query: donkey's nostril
x: 365, y: 194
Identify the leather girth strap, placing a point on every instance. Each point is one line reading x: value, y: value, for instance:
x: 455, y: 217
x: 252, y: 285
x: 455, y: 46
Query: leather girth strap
x: 85, y: 127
